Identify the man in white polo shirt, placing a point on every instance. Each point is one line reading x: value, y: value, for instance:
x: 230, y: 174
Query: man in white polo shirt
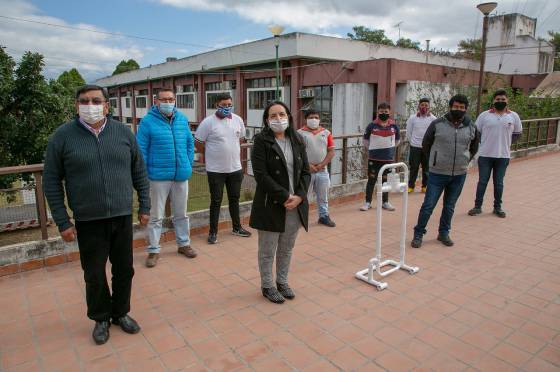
x: 416, y: 127
x: 498, y: 128
x: 319, y: 146
x: 218, y: 139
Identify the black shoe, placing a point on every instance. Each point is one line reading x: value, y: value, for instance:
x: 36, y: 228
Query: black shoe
x: 285, y: 291
x: 499, y: 212
x: 127, y: 324
x: 241, y: 232
x: 475, y: 211
x: 326, y: 221
x: 101, y: 332
x: 212, y: 238
x: 273, y: 295
x: 416, y: 242
x: 445, y: 239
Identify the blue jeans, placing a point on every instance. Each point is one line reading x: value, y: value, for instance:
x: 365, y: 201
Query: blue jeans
x: 496, y: 166
x: 319, y: 185
x: 178, y: 192
x: 451, y: 187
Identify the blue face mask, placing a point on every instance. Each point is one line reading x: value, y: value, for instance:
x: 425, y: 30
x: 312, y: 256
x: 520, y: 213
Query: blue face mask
x: 166, y: 108
x: 225, y: 111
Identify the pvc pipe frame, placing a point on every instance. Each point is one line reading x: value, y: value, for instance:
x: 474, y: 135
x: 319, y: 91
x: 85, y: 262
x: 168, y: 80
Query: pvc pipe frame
x: 375, y: 264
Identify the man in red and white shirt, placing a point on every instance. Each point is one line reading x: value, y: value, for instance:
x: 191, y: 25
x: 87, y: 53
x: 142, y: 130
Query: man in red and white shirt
x: 319, y: 145
x: 498, y: 128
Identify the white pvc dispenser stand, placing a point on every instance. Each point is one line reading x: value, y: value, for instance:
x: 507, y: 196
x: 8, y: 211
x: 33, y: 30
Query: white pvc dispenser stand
x: 393, y: 185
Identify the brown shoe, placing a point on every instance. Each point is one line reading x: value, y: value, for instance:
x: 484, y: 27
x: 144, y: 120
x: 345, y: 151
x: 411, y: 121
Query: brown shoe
x: 152, y: 259
x: 187, y: 251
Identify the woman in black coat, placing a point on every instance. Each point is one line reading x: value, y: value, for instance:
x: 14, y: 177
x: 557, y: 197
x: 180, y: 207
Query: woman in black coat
x: 280, y: 205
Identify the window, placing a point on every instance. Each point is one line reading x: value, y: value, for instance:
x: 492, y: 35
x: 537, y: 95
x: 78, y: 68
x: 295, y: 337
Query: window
x: 322, y: 102
x: 127, y: 102
x: 141, y: 102
x: 212, y: 99
x: 261, y: 83
x: 143, y: 92
x: 258, y: 99
x: 185, y: 101
x: 113, y: 103
x: 219, y: 85
x: 185, y: 88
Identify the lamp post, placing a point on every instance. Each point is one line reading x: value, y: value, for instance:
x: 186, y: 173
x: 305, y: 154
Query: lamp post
x: 486, y: 9
x: 276, y: 30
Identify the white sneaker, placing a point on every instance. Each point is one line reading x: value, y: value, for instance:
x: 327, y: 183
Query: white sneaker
x: 388, y: 206
x: 365, y: 207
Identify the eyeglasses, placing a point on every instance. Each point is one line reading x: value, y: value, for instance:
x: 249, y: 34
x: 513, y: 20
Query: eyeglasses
x: 166, y: 100
x: 94, y: 100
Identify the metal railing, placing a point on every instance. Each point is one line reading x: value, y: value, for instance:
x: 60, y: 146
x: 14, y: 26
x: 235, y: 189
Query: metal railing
x: 348, y: 165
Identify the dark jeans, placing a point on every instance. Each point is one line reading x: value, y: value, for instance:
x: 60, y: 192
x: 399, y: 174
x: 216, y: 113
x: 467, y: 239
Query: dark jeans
x: 216, y: 183
x: 415, y: 159
x: 496, y: 166
x: 373, y: 169
x: 98, y: 240
x: 451, y: 187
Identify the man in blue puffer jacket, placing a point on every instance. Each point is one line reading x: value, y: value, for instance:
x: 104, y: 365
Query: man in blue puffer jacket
x: 166, y: 142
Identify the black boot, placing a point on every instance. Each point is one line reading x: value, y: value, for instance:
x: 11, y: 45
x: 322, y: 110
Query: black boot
x: 445, y: 239
x: 286, y: 291
x: 273, y: 295
x: 101, y: 332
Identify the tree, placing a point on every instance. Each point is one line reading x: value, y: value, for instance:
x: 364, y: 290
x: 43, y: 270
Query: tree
x: 407, y: 43
x: 30, y: 110
x: 371, y: 36
x: 71, y: 79
x: 125, y: 66
x: 470, y: 48
x: 555, y: 40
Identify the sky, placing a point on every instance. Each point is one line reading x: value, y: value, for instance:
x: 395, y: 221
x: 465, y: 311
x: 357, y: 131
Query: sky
x: 89, y: 35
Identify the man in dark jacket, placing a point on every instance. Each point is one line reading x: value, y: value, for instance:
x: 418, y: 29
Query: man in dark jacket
x: 97, y: 161
x: 450, y: 143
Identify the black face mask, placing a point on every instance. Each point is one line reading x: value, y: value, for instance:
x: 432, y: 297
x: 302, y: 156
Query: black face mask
x: 383, y: 117
x: 500, y: 105
x: 457, y: 114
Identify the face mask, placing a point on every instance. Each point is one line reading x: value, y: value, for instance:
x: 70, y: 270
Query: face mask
x: 457, y: 114
x: 500, y: 105
x: 91, y: 114
x: 225, y: 111
x: 383, y: 117
x: 166, y: 108
x: 423, y: 110
x: 278, y: 126
x: 313, y: 123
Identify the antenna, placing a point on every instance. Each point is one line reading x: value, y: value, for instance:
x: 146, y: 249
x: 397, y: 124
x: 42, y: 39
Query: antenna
x: 398, y: 25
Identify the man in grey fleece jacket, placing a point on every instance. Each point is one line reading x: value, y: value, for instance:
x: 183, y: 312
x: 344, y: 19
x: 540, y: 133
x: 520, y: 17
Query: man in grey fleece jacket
x: 450, y: 143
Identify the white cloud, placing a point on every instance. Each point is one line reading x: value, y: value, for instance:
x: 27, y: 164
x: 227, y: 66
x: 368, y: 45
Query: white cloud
x: 444, y: 22
x: 93, y: 54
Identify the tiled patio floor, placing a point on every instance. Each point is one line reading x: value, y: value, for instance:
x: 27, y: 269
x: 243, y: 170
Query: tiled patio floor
x: 491, y: 302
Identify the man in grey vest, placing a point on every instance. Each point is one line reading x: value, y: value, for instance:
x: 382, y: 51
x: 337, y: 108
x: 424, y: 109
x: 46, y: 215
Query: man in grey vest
x: 449, y: 143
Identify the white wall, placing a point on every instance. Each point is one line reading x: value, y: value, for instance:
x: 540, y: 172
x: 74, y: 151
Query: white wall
x: 352, y: 110
x: 521, y: 58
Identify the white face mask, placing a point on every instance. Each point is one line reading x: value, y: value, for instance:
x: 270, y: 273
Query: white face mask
x: 91, y: 114
x: 278, y: 126
x: 313, y: 123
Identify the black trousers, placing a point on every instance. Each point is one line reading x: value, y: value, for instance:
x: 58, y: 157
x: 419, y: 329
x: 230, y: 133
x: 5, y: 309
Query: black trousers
x: 373, y: 169
x: 98, y: 241
x: 216, y: 182
x: 415, y: 159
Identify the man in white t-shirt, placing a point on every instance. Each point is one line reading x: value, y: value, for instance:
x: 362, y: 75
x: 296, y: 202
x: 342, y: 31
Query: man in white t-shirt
x: 218, y: 139
x: 416, y: 127
x: 498, y: 128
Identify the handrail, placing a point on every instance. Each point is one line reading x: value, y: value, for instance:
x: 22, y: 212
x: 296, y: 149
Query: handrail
x: 32, y: 168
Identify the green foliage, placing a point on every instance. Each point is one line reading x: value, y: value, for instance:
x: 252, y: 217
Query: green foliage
x: 71, y: 80
x: 555, y: 40
x: 407, y: 43
x: 371, y: 36
x: 30, y: 110
x: 125, y: 66
x: 470, y: 48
